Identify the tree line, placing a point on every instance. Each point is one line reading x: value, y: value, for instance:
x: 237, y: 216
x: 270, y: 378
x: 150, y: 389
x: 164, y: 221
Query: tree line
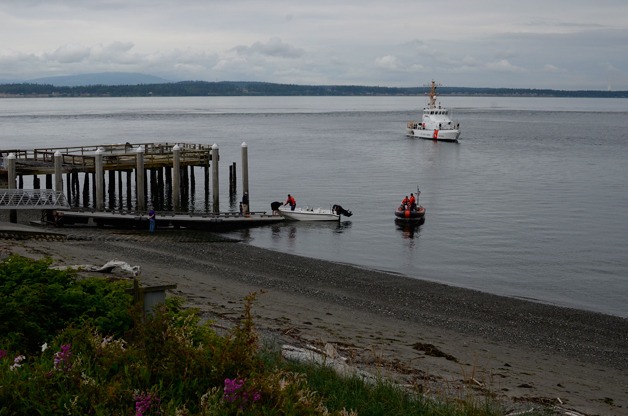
x: 243, y: 88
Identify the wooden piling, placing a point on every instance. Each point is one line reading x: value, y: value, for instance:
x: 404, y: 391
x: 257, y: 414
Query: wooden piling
x: 215, y: 181
x: 120, y: 197
x: 76, y: 187
x: 11, y: 172
x: 111, y: 189
x: 129, y: 198
x: 168, y: 198
x: 86, y: 190
x: 245, y: 170
x: 185, y: 189
x: 68, y: 185
x: 153, y: 187
x: 94, y: 189
x: 58, y: 163
x: 160, y: 188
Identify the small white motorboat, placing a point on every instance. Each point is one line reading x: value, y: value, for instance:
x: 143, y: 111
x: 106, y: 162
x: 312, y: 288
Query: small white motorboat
x: 435, y: 123
x: 315, y: 214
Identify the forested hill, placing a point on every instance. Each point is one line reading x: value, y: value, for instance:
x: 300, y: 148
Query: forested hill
x: 227, y: 88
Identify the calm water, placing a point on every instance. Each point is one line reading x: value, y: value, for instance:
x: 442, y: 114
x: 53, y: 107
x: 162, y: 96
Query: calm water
x: 532, y: 203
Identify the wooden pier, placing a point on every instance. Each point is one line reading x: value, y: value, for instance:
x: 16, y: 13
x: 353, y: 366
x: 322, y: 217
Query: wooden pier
x: 146, y: 168
x: 110, y: 182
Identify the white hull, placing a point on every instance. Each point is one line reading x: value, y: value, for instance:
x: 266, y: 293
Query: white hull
x: 310, y: 214
x: 443, y: 135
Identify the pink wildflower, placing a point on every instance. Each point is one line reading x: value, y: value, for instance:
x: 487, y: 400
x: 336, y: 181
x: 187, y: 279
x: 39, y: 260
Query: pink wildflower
x: 62, y: 358
x: 17, y: 362
x: 145, y: 402
x: 235, y: 392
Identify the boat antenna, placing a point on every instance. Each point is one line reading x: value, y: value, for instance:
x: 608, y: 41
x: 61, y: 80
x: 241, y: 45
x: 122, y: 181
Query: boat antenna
x: 432, y: 94
x: 418, y: 192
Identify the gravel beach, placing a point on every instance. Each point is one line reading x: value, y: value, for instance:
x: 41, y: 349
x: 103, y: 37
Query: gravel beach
x: 446, y: 340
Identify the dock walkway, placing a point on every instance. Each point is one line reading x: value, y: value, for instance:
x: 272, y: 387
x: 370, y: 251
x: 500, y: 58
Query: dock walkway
x: 207, y: 222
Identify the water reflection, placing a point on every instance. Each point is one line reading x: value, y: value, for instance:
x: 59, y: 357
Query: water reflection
x: 291, y: 228
x: 342, y: 227
x: 409, y: 230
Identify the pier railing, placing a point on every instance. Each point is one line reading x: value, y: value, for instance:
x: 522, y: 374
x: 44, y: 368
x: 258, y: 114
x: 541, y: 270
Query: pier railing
x: 115, y: 157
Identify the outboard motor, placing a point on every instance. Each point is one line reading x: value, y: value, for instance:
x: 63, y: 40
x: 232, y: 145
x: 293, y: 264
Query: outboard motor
x: 341, y: 211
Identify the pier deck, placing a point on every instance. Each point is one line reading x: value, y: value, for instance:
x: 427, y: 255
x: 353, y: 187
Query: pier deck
x: 120, y: 157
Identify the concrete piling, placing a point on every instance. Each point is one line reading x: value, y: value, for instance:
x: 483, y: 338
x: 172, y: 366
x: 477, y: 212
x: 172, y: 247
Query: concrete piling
x: 99, y: 180
x: 58, y: 162
x: 140, y: 179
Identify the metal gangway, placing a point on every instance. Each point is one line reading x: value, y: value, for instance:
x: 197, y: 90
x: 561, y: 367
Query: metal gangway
x: 32, y: 199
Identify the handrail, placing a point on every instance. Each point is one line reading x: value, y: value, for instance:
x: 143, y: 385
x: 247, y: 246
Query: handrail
x: 32, y: 199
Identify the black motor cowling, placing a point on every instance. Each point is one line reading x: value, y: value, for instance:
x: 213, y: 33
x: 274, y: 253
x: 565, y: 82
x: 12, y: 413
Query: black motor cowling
x: 341, y: 211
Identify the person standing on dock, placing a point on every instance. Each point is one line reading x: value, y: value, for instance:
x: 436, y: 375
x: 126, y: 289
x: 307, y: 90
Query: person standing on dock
x: 274, y: 206
x: 151, y: 220
x: 292, y: 202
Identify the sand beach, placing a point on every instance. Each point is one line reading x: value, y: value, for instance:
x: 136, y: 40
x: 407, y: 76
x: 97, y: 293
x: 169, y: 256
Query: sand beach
x: 443, y: 339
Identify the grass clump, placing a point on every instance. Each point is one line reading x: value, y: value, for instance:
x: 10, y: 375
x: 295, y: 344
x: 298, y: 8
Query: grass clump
x: 83, y: 348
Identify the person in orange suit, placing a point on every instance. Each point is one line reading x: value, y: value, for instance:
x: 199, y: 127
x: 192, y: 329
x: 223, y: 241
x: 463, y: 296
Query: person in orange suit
x: 292, y: 202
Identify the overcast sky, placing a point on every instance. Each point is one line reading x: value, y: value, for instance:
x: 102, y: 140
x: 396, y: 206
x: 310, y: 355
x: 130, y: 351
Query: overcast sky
x: 558, y: 44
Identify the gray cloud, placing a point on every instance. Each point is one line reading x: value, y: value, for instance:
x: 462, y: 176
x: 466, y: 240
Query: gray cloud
x: 564, y: 44
x: 274, y: 47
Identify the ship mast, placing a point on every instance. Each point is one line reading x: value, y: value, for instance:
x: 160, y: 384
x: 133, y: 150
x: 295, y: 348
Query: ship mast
x: 432, y: 101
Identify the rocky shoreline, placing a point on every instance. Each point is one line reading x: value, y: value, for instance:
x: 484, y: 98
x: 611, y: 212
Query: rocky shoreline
x: 441, y: 338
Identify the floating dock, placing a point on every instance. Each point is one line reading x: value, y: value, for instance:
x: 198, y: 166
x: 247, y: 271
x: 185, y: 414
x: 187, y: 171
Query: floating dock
x: 206, y: 222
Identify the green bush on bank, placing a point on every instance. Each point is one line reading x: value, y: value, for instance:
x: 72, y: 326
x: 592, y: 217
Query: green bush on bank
x: 82, y: 348
x: 38, y: 302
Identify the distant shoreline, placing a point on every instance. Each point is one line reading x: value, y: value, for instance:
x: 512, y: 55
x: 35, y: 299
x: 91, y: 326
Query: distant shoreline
x: 262, y: 89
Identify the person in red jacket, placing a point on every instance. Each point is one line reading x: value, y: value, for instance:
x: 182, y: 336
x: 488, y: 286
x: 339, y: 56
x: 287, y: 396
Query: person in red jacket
x: 412, y: 201
x: 292, y: 202
x: 405, y: 202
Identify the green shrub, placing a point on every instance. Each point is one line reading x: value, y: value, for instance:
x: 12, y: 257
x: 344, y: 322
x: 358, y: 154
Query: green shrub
x: 107, y: 358
x: 37, y: 302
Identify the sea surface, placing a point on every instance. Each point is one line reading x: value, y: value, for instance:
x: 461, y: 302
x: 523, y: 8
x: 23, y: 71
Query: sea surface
x: 532, y: 203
